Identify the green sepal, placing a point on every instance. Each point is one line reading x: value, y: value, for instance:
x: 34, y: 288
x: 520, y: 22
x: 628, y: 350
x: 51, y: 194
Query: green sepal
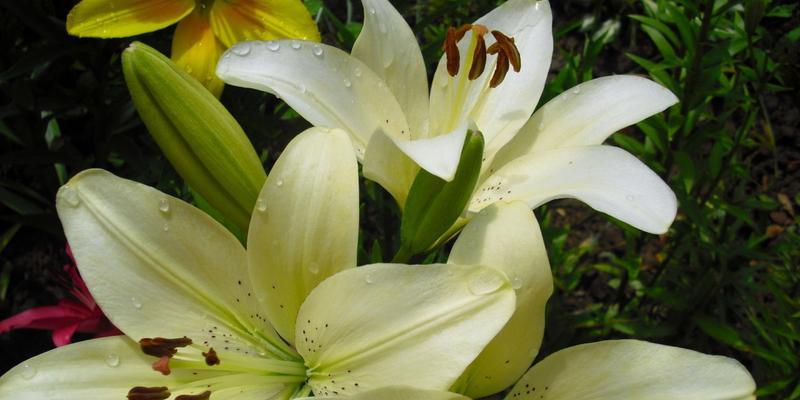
x: 434, y: 205
x: 197, y: 134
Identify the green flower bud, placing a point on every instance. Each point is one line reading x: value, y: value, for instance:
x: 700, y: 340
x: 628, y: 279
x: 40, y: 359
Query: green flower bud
x: 197, y: 134
x: 434, y: 205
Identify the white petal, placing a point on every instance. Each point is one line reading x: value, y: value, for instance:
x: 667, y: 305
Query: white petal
x: 588, y: 114
x: 633, y: 370
x: 607, y: 178
x: 438, y: 155
x: 388, y: 46
x: 387, y: 165
x: 96, y: 369
x: 504, y: 110
x: 325, y: 85
x: 160, y: 267
x: 507, y: 237
x: 390, y: 324
x: 397, y: 393
x: 305, y: 227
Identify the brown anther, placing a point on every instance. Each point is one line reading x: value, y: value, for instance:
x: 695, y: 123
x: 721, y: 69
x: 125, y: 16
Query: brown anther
x: 451, y: 52
x: 162, y: 365
x: 211, y: 357
x: 202, y: 396
x: 461, y: 31
x: 148, y: 393
x: 160, y: 347
x: 494, y: 48
x: 509, y: 48
x: 500, y: 70
x: 478, y: 59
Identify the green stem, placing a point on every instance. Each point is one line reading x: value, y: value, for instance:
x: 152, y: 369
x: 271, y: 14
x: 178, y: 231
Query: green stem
x: 403, y: 255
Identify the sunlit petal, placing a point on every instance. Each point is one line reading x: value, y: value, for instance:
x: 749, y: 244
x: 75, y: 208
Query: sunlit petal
x: 390, y: 324
x: 633, y: 370
x: 196, y: 50
x: 120, y: 18
x: 236, y: 21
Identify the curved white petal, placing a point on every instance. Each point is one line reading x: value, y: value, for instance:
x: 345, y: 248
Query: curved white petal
x: 633, y: 370
x: 388, y: 46
x: 507, y: 237
x: 503, y: 110
x: 305, y: 226
x: 397, y: 393
x: 325, y: 85
x: 588, y: 114
x: 387, y: 165
x: 104, y: 368
x: 438, y: 155
x: 160, y: 267
x: 391, y: 324
x: 607, y: 178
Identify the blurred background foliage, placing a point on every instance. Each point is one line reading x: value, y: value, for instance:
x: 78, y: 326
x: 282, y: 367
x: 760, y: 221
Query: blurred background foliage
x: 724, y: 280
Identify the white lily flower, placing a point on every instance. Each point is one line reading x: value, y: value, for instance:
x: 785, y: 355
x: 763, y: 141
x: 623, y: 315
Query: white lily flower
x: 288, y: 317
x: 379, y: 95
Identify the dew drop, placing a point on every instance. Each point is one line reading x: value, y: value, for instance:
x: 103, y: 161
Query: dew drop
x: 537, y: 5
x: 165, y: 227
x: 313, y: 268
x: 163, y: 205
x: 136, y: 303
x: 382, y: 27
x: 347, y: 83
x: 296, y: 45
x: 273, y: 45
x: 576, y: 90
x: 357, y: 72
x: 28, y: 372
x: 241, y: 49
x: 541, y: 125
x: 302, y: 88
x: 372, y: 11
x: 261, y: 205
x: 279, y: 183
x: 71, y: 197
x: 317, y: 50
x: 516, y: 283
x: 630, y: 197
x: 485, y: 282
x: 369, y: 279
x: 112, y: 360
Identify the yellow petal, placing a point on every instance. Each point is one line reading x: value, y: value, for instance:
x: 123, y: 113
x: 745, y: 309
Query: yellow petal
x: 235, y: 21
x: 120, y: 18
x: 197, y: 50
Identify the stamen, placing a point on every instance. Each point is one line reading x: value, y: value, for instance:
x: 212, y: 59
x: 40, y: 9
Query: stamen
x: 211, y: 357
x: 509, y: 48
x: 160, y: 347
x: 202, y: 396
x: 478, y: 59
x: 148, y: 393
x: 451, y: 52
x: 500, y: 70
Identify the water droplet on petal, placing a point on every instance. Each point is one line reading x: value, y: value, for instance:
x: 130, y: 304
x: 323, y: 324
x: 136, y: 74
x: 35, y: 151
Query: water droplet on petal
x: 273, y: 45
x: 576, y: 90
x: 537, y: 5
x: 241, y: 50
x: 317, y: 50
x: 165, y: 227
x: 630, y: 197
x: 261, y: 205
x: 28, y: 371
x: 163, y: 205
x: 112, y: 360
x: 516, y: 283
x: 541, y: 125
x: 296, y: 45
x: 302, y: 88
x: 347, y: 83
x: 70, y: 196
x: 279, y: 183
x: 372, y: 11
x: 313, y: 268
x: 485, y: 282
x: 382, y: 27
x: 369, y: 279
x: 357, y: 72
x: 136, y: 303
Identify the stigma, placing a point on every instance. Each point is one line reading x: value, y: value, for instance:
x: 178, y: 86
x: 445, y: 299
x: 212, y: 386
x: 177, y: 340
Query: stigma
x: 504, y: 48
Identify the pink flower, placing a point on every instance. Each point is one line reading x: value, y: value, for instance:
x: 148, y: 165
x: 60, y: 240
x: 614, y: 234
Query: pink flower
x: 69, y: 316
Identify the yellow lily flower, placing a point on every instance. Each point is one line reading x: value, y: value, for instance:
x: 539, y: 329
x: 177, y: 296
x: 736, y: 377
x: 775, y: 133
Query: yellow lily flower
x: 205, y: 27
x: 287, y: 317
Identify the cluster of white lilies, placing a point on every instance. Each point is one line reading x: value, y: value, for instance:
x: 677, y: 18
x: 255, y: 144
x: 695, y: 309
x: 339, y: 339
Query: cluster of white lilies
x: 291, y: 316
